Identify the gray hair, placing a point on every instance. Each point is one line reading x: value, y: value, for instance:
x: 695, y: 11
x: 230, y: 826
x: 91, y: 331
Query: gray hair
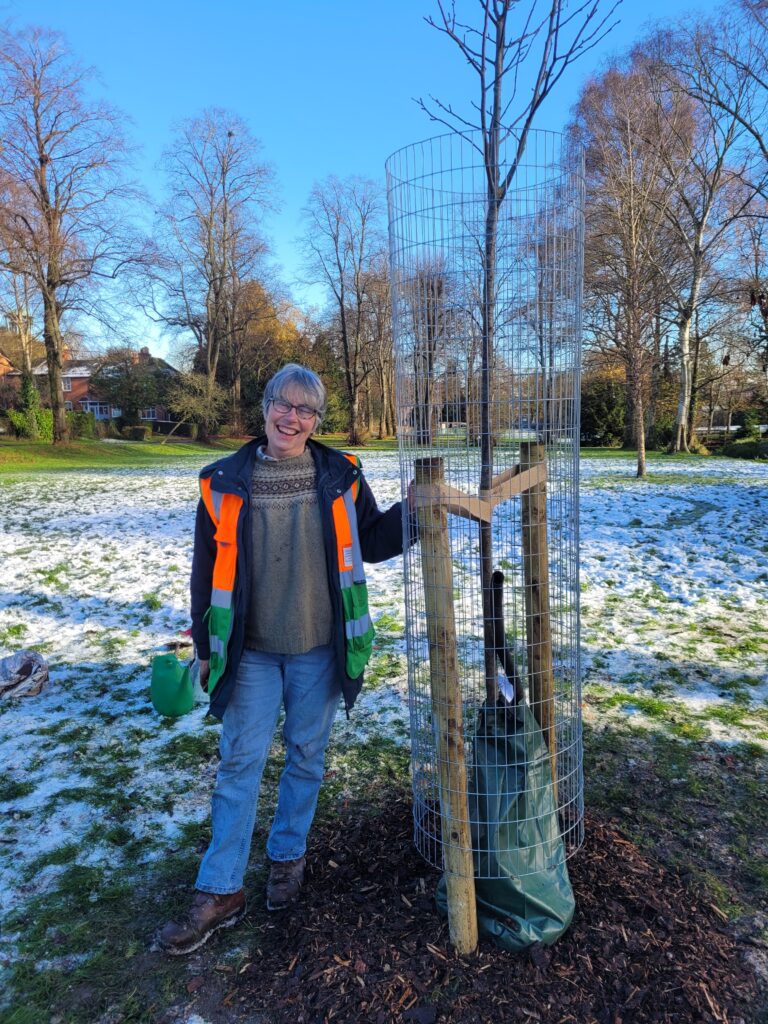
x: 291, y: 376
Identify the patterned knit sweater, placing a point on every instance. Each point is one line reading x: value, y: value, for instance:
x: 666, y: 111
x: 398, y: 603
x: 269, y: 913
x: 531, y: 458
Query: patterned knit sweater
x: 289, y: 610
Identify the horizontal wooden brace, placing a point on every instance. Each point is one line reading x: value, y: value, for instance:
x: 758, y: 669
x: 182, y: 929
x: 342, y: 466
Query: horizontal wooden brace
x: 480, y: 509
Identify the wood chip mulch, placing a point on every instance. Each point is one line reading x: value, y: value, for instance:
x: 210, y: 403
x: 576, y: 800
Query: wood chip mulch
x: 366, y: 944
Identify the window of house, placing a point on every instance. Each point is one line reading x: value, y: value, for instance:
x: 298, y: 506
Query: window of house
x: 68, y: 405
x: 99, y: 409
x: 148, y: 414
x: 66, y: 383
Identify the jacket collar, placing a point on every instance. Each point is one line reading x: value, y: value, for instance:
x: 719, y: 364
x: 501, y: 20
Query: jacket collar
x: 334, y: 471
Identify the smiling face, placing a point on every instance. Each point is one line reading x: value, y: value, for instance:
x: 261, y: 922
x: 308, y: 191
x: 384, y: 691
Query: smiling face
x: 287, y: 434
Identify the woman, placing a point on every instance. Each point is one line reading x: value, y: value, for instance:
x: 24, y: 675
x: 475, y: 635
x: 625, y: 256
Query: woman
x: 279, y: 620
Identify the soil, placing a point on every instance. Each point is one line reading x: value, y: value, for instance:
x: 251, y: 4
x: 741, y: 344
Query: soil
x: 365, y: 944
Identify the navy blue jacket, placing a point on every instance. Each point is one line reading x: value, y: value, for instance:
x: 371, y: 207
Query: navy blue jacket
x: 381, y: 537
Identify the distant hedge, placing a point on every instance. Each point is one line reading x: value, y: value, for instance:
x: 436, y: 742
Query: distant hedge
x: 22, y: 423
x: 746, y: 449
x: 177, y: 429
x: 82, y: 425
x: 140, y: 433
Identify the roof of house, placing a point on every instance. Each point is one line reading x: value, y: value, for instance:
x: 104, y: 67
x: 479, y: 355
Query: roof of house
x: 71, y: 367
x: 87, y: 367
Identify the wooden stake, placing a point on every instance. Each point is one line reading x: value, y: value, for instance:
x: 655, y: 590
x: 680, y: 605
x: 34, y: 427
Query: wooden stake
x: 447, y: 710
x: 541, y: 688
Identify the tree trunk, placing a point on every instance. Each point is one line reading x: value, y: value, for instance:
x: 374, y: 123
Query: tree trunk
x: 656, y: 372
x: 367, y: 412
x: 630, y: 419
x: 637, y: 387
x: 693, y: 404
x: 680, y: 440
x: 391, y: 411
x: 238, y: 425
x: 382, y: 400
x: 486, y: 438
x: 53, y: 346
x: 354, y: 438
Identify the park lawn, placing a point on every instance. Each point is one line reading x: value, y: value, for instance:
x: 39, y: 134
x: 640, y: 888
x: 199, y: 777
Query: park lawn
x: 105, y: 806
x: 36, y: 456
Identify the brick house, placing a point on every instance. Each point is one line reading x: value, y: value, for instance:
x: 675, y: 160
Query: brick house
x: 80, y: 395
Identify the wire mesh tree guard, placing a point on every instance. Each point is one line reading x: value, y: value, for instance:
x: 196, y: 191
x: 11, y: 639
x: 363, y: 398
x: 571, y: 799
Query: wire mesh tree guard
x: 487, y: 325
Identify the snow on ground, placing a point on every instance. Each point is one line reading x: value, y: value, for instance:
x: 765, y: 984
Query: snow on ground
x: 674, y: 580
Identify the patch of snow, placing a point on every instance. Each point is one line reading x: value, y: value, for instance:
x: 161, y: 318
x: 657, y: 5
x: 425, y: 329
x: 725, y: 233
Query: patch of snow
x: 96, y: 568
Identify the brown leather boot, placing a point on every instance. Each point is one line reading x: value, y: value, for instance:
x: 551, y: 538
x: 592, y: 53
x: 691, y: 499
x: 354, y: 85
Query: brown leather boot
x: 209, y: 912
x: 285, y: 879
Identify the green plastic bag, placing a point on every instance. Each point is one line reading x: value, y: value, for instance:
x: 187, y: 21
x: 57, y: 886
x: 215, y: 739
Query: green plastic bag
x: 172, y: 687
x: 518, y: 839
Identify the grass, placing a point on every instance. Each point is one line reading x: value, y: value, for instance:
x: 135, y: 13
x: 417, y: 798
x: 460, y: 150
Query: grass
x: 85, y: 948
x: 12, y: 789
x: 86, y: 943
x: 84, y: 935
x: 17, y: 457
x: 21, y: 457
x: 189, y: 750
x: 691, y: 804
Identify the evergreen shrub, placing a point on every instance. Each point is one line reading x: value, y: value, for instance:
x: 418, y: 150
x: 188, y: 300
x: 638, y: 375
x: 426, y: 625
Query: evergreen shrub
x: 82, y: 425
x: 188, y: 430
x: 137, y: 433
x: 746, y: 448
x: 750, y: 426
x: 602, y: 411
x: 32, y: 424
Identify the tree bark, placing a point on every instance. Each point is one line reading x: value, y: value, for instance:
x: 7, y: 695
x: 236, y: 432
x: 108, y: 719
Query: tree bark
x: 637, y: 389
x: 693, y: 404
x: 680, y: 440
x: 53, y: 353
x: 486, y: 433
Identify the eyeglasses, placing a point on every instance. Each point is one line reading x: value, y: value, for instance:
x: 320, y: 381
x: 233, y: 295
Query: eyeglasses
x: 304, y: 412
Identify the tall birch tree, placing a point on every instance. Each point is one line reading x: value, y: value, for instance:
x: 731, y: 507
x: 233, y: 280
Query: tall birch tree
x: 342, y: 243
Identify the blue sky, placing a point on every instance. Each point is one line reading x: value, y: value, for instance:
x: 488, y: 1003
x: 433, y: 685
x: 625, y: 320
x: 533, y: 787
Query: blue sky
x: 327, y: 87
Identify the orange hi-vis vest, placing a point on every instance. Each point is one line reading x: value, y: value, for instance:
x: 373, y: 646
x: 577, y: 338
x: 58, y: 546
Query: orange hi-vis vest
x: 354, y: 591
x: 225, y: 510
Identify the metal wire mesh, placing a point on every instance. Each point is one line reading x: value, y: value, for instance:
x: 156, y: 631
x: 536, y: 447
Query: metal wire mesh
x: 527, y: 399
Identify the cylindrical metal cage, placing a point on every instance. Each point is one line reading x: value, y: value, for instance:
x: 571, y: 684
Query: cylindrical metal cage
x: 522, y: 393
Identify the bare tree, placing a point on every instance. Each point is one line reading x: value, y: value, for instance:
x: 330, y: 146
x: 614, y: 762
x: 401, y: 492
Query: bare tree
x: 513, y: 35
x: 210, y: 244
x: 750, y: 278
x: 618, y: 120
x: 380, y: 348
x: 710, y: 173
x: 64, y: 158
x: 196, y: 398
x: 18, y: 305
x: 342, y: 243
x: 727, y: 67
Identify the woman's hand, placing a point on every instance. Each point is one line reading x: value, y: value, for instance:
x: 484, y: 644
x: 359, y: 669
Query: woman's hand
x: 205, y: 671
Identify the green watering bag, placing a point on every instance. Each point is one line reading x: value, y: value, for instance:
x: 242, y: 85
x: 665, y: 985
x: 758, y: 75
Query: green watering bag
x: 172, y: 687
x: 530, y: 899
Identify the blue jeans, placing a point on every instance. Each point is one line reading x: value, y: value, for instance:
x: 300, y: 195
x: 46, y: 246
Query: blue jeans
x: 307, y: 685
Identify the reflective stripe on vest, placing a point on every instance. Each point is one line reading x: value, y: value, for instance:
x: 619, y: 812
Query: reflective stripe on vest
x: 224, y: 510
x: 358, y: 628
